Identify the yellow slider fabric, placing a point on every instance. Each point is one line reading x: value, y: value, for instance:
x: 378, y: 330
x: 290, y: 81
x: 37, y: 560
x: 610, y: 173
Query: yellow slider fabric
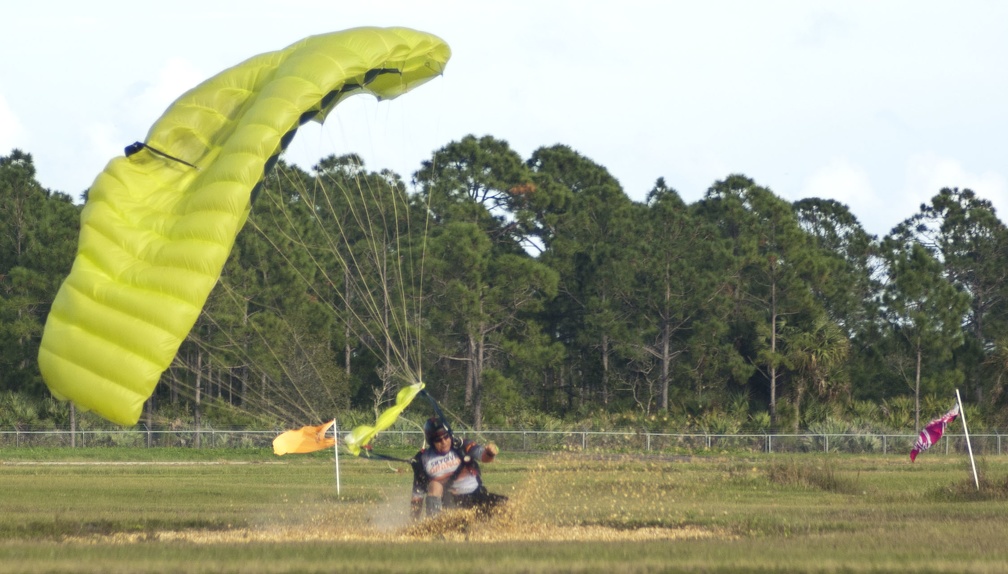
x: 361, y: 435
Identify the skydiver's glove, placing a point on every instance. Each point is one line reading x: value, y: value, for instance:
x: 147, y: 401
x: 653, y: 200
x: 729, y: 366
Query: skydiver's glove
x: 490, y: 452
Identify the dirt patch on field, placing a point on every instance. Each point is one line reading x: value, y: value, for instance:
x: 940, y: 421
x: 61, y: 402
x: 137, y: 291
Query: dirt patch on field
x: 507, y: 524
x: 483, y: 533
x: 545, y: 507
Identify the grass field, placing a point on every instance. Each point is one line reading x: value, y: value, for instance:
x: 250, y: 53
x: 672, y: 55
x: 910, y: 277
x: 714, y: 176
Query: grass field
x: 165, y: 510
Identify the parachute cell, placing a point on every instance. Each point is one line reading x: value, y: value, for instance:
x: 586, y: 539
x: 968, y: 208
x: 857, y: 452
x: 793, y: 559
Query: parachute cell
x: 160, y: 222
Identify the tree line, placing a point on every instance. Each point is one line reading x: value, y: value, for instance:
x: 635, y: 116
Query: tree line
x: 521, y: 288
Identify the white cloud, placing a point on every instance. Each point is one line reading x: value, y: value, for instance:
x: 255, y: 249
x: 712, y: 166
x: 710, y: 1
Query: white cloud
x: 881, y: 208
x: 927, y: 174
x: 147, y: 100
x: 642, y: 90
x: 104, y: 142
x: 843, y: 181
x: 11, y: 131
x: 128, y: 115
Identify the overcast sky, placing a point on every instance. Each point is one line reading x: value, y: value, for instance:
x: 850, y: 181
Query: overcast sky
x: 878, y: 104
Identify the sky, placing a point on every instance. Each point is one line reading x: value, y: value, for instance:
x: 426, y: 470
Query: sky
x: 875, y: 104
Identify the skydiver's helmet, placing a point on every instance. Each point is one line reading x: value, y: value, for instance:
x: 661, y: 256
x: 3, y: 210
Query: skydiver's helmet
x: 434, y: 429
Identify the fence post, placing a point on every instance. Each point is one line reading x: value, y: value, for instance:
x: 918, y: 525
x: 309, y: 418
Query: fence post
x: 584, y: 440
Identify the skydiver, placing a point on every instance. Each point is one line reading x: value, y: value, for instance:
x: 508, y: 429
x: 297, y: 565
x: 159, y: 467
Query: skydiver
x: 447, y: 473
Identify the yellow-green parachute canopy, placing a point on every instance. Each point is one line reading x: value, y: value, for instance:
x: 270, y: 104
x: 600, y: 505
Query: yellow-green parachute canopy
x: 159, y: 223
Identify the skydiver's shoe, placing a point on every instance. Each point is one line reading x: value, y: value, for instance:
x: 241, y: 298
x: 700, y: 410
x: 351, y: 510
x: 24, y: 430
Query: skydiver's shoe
x: 433, y: 504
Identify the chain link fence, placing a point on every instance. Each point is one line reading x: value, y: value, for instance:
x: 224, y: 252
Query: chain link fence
x: 526, y: 441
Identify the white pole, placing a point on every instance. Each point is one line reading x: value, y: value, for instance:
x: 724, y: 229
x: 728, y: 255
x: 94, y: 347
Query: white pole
x: 336, y: 450
x: 962, y: 413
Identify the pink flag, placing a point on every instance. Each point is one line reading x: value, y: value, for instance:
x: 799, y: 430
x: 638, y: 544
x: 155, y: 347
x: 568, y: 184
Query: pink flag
x: 933, y: 432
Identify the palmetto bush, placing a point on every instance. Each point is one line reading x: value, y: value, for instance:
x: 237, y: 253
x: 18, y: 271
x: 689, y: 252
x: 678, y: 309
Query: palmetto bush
x: 18, y: 412
x: 845, y: 436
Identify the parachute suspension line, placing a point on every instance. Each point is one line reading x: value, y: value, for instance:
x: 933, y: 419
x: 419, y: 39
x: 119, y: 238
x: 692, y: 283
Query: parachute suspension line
x: 411, y: 327
x: 398, y: 262
x: 300, y: 409
x: 319, y: 266
x: 349, y: 262
x: 135, y: 147
x: 380, y: 254
x: 299, y: 406
x: 378, y: 246
x: 376, y: 253
x: 378, y: 243
x: 376, y: 236
x: 423, y: 264
x: 293, y: 403
x: 402, y: 341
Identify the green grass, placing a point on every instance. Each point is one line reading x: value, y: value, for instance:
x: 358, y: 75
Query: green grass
x: 180, y: 510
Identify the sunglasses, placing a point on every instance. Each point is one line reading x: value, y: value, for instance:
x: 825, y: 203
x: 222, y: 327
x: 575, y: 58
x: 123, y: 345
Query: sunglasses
x: 442, y: 437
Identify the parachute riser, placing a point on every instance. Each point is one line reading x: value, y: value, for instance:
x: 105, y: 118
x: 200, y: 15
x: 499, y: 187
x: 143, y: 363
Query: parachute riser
x: 437, y: 410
